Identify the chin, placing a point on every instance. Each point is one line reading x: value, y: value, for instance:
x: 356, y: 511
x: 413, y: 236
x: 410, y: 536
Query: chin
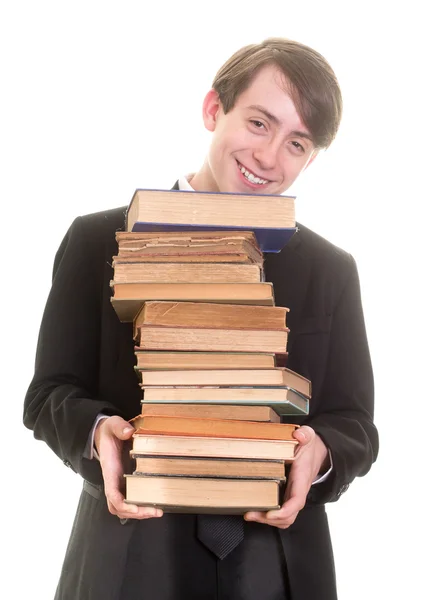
x: 228, y: 187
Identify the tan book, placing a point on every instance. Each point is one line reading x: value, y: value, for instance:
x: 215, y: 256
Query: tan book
x: 207, y: 314
x: 129, y: 297
x: 204, y: 339
x: 283, y: 400
x: 202, y: 494
x: 209, y: 467
x: 247, y: 211
x: 278, y: 376
x: 161, y: 359
x: 221, y: 428
x: 210, y: 411
x: 189, y: 445
x: 166, y: 272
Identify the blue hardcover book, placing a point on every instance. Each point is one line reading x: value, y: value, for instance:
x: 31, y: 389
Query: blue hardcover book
x: 271, y: 218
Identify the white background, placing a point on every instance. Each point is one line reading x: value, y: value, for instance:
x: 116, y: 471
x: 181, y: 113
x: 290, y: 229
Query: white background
x: 99, y: 98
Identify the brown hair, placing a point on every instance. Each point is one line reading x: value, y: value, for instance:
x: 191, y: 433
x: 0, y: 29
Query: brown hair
x: 311, y: 83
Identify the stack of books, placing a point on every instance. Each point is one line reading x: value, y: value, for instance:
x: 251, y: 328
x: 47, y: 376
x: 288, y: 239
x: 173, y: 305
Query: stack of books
x: 210, y: 352
x: 204, y: 464
x: 210, y: 345
x: 219, y: 266
x: 199, y: 227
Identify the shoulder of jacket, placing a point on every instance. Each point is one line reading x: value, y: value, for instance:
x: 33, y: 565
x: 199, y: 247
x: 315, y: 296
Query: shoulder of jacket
x: 95, y: 232
x: 318, y: 248
x: 106, y: 220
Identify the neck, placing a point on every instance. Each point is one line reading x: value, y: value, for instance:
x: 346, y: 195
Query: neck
x: 203, y: 180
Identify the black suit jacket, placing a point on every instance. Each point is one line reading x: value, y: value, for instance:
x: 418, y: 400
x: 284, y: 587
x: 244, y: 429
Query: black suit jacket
x: 84, y: 366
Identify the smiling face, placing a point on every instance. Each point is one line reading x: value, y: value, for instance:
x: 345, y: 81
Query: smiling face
x: 260, y: 146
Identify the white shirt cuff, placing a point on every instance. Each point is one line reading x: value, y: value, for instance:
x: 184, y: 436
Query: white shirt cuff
x: 90, y: 451
x: 324, y: 476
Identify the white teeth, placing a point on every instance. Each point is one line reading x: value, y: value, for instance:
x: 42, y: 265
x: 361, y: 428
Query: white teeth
x: 251, y: 177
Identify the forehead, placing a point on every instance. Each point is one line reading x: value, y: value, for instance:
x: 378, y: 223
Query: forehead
x: 269, y: 89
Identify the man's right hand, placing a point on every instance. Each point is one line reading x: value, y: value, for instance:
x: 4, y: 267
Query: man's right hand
x: 110, y: 435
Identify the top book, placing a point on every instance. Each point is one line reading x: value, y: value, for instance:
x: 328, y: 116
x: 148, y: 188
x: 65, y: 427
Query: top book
x: 270, y: 217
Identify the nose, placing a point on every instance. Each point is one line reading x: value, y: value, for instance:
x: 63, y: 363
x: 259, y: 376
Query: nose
x: 266, y: 154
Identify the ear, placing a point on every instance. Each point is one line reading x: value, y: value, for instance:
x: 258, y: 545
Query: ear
x: 211, y: 107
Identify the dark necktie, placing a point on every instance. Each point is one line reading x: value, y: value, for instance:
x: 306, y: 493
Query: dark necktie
x: 220, y: 533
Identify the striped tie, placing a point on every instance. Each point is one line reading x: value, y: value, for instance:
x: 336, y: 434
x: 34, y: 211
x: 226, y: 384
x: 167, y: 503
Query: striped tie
x: 220, y: 533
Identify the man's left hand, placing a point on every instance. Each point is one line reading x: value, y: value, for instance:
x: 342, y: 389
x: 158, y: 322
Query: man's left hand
x: 311, y: 457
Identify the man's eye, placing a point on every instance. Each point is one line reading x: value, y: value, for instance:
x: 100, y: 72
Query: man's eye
x: 298, y: 146
x: 258, y: 124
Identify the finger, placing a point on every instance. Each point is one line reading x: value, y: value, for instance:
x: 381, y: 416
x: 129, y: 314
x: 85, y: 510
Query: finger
x: 112, y: 469
x: 124, y: 509
x: 282, y: 523
x: 131, y: 511
x: 260, y: 517
x: 148, y: 514
x: 118, y: 505
x: 298, y: 490
x: 144, y: 512
x: 288, y: 511
x: 113, y: 479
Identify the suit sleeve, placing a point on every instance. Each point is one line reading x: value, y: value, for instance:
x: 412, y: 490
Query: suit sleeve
x: 61, y: 403
x: 345, y: 422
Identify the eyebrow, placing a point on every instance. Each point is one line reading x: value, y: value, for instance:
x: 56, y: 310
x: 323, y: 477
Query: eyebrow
x: 276, y: 121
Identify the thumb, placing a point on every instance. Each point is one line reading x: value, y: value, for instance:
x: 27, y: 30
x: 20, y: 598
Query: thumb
x: 121, y: 428
x: 304, y: 434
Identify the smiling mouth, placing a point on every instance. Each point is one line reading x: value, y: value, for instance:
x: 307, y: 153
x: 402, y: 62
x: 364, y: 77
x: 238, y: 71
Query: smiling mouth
x: 251, y: 176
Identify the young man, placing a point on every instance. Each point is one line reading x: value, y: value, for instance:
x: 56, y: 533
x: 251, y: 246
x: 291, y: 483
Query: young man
x: 272, y: 107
